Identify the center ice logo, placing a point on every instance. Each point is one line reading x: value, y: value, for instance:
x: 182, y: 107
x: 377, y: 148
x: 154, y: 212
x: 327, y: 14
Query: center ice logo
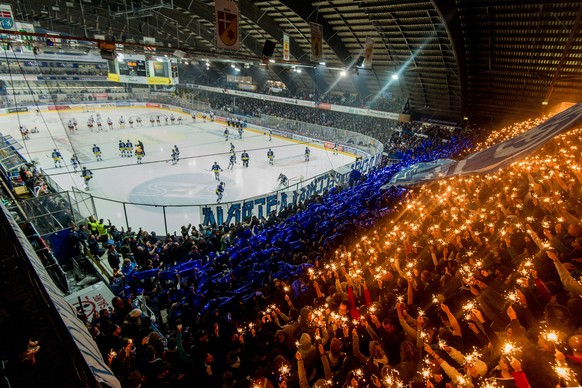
x: 181, y: 189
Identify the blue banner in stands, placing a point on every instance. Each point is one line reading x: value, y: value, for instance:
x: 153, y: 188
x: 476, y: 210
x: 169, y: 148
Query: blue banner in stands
x: 500, y: 155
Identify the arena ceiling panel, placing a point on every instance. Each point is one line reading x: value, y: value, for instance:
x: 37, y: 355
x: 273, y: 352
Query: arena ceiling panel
x: 477, y: 58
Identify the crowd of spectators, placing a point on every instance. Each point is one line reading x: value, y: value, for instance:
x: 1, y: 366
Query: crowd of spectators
x: 385, y: 103
x: 397, y: 137
x: 467, y: 282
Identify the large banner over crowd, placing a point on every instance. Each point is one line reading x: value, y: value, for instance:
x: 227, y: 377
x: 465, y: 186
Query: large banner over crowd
x: 496, y: 157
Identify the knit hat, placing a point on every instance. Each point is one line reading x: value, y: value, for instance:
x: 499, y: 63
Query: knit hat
x: 304, y: 342
x: 135, y: 313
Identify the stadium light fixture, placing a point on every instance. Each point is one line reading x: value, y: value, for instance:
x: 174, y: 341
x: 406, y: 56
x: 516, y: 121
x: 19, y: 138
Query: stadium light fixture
x: 395, y: 76
x: 343, y: 73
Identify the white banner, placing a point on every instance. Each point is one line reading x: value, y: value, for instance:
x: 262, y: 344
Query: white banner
x: 285, y: 47
x: 494, y: 158
x: 227, y: 25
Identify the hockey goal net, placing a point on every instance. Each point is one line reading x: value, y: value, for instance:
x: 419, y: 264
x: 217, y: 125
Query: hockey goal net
x: 88, y: 109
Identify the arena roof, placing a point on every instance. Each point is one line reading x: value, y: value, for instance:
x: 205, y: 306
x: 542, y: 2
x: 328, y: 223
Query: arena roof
x: 481, y: 58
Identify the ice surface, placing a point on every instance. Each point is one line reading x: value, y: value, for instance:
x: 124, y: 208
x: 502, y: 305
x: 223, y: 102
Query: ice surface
x: 157, y: 181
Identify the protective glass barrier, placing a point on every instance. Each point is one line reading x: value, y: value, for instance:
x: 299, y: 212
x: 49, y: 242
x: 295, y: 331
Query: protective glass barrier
x: 112, y: 210
x: 150, y: 218
x: 49, y: 212
x: 82, y: 204
x: 176, y: 216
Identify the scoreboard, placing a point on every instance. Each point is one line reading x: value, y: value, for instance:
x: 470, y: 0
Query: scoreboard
x: 136, y: 67
x: 139, y: 69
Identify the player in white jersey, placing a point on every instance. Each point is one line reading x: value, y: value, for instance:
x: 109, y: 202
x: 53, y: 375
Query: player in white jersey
x: 138, y: 121
x: 24, y: 132
x: 121, y: 122
x: 130, y: 121
x: 99, y: 124
x: 71, y: 126
x: 110, y: 122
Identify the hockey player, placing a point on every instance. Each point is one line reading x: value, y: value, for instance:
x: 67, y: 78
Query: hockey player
x: 75, y: 123
x: 34, y: 130
x: 226, y: 133
x: 129, y: 148
x: 138, y: 121
x: 110, y: 123
x: 283, y: 180
x: 140, y: 145
x: 130, y: 121
x: 335, y: 148
x: 307, y: 154
x: 121, y: 122
x: 158, y: 120
x: 240, y: 132
x: 71, y: 126
x: 175, y: 154
x: 74, y: 162
x: 152, y: 120
x: 270, y: 134
x: 228, y: 121
x: 172, y: 118
x: 216, y: 170
x: 139, y: 154
x: 166, y: 118
x: 179, y: 119
x: 194, y: 116
x: 90, y: 124
x: 122, y: 148
x: 57, y: 157
x: 271, y: 156
x: 97, y: 152
x: 232, y: 151
x: 219, y: 192
x: 24, y: 132
x: 211, y: 116
x: 245, y: 158
x: 99, y: 123
x: 86, y: 175
x: 231, y: 161
x: 38, y: 111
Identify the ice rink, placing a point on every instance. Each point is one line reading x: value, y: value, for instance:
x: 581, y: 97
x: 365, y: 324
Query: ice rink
x: 157, y: 181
